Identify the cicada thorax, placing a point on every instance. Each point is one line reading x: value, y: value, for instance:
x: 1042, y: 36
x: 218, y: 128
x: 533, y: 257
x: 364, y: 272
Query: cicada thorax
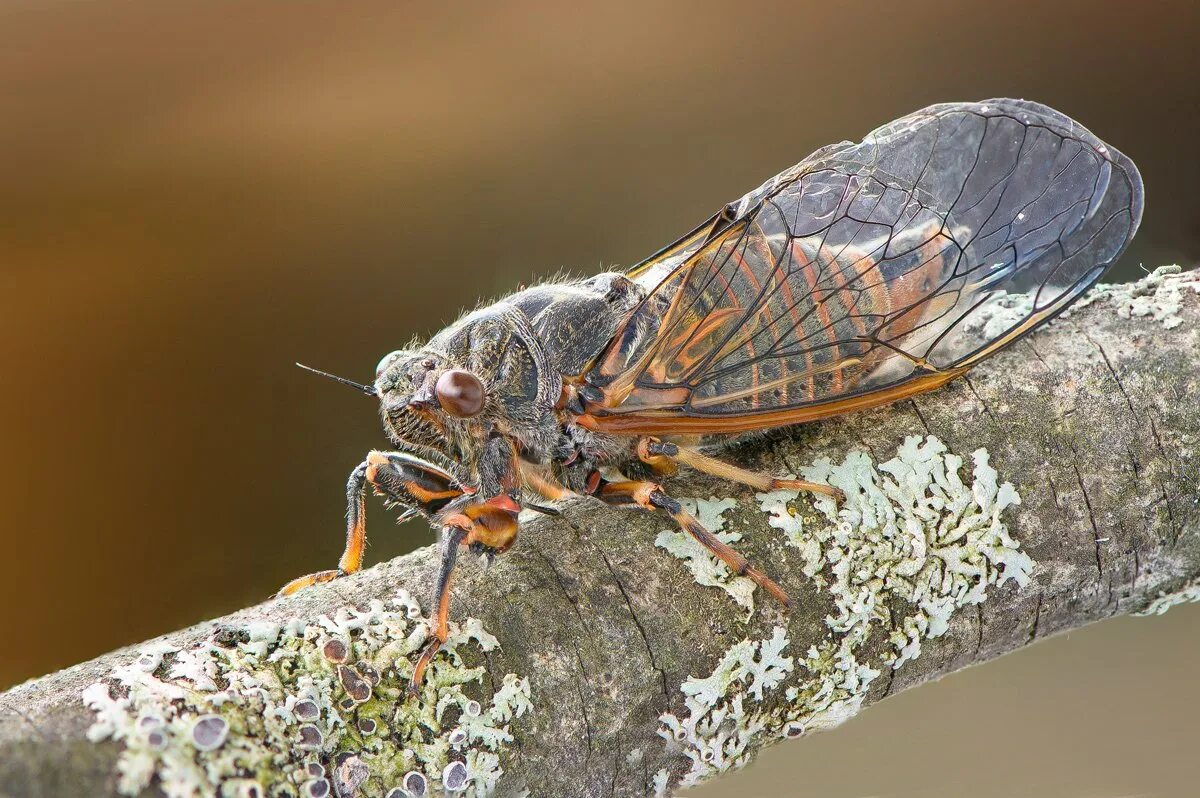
x: 514, y: 356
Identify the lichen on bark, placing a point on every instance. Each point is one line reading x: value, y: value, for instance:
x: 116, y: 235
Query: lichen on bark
x: 309, y: 709
x: 911, y: 545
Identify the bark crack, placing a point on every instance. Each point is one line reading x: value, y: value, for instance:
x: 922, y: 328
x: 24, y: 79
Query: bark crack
x: 920, y: 417
x: 971, y: 386
x: 1091, y: 514
x: 891, y: 674
x: 1037, y: 617
x: 1113, y: 372
x: 492, y: 681
x: 1157, y: 438
x: 662, y: 675
x: 28, y: 721
x: 979, y: 628
x: 1053, y: 491
x: 637, y: 621
x: 558, y: 577
x: 616, y: 770
x: 1037, y: 355
x: 583, y: 706
x: 1173, y: 528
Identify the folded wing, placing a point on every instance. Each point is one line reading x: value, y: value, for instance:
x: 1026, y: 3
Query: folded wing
x: 870, y: 271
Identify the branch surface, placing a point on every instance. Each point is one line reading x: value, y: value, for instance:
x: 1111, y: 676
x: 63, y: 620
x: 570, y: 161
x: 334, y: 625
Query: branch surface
x: 641, y: 679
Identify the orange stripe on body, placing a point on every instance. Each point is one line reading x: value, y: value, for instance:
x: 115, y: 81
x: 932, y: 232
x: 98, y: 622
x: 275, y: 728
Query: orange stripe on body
x: 669, y: 352
x: 793, y: 310
x: 808, y: 270
x: 756, y: 373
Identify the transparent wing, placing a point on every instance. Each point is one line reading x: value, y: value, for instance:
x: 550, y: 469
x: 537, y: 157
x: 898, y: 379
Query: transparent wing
x: 872, y: 270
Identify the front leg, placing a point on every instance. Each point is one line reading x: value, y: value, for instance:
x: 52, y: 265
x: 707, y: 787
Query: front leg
x: 420, y: 487
x: 491, y: 526
x: 356, y: 535
x: 402, y: 479
x: 452, y: 537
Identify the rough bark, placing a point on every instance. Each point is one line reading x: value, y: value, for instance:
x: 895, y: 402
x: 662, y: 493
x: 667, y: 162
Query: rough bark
x: 1094, y: 419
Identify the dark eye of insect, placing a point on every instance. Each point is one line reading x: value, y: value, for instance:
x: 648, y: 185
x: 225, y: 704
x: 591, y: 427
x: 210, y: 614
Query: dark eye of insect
x: 460, y: 393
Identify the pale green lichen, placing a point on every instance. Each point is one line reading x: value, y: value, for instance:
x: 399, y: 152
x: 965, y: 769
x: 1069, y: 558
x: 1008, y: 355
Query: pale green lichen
x: 910, y: 529
x: 719, y: 730
x: 307, y: 709
x: 1164, y: 601
x: 998, y: 314
x: 662, y: 781
x: 913, y: 530
x: 1158, y: 295
x: 911, y: 534
x: 707, y: 569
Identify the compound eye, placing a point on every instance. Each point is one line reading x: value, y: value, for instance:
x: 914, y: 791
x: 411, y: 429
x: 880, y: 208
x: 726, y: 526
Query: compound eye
x: 460, y: 393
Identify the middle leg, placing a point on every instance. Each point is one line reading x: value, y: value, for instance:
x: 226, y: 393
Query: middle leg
x: 452, y: 537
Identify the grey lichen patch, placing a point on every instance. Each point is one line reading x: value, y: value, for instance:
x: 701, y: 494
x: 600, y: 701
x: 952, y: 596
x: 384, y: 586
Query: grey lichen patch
x: 1158, y: 295
x: 1164, y: 601
x: 705, y: 568
x: 911, y: 536
x: 998, y: 314
x: 309, y: 710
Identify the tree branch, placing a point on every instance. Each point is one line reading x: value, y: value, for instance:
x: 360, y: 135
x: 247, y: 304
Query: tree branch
x: 1094, y: 420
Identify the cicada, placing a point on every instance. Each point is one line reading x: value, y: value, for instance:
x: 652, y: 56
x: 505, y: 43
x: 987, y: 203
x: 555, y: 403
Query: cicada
x: 867, y: 273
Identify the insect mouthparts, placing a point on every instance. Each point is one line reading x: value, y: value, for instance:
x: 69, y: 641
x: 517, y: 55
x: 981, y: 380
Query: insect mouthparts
x: 367, y: 389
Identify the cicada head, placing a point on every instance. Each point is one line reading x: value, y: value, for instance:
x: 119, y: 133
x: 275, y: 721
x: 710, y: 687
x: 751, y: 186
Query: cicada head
x: 427, y: 404
x: 484, y: 377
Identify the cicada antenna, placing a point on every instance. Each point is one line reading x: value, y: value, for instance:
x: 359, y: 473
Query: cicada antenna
x: 367, y: 389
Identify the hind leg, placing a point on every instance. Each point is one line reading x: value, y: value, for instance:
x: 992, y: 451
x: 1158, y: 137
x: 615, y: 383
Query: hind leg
x: 650, y: 496
x: 656, y: 452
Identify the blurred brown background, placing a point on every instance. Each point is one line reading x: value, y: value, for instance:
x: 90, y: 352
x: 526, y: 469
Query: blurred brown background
x: 193, y: 195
